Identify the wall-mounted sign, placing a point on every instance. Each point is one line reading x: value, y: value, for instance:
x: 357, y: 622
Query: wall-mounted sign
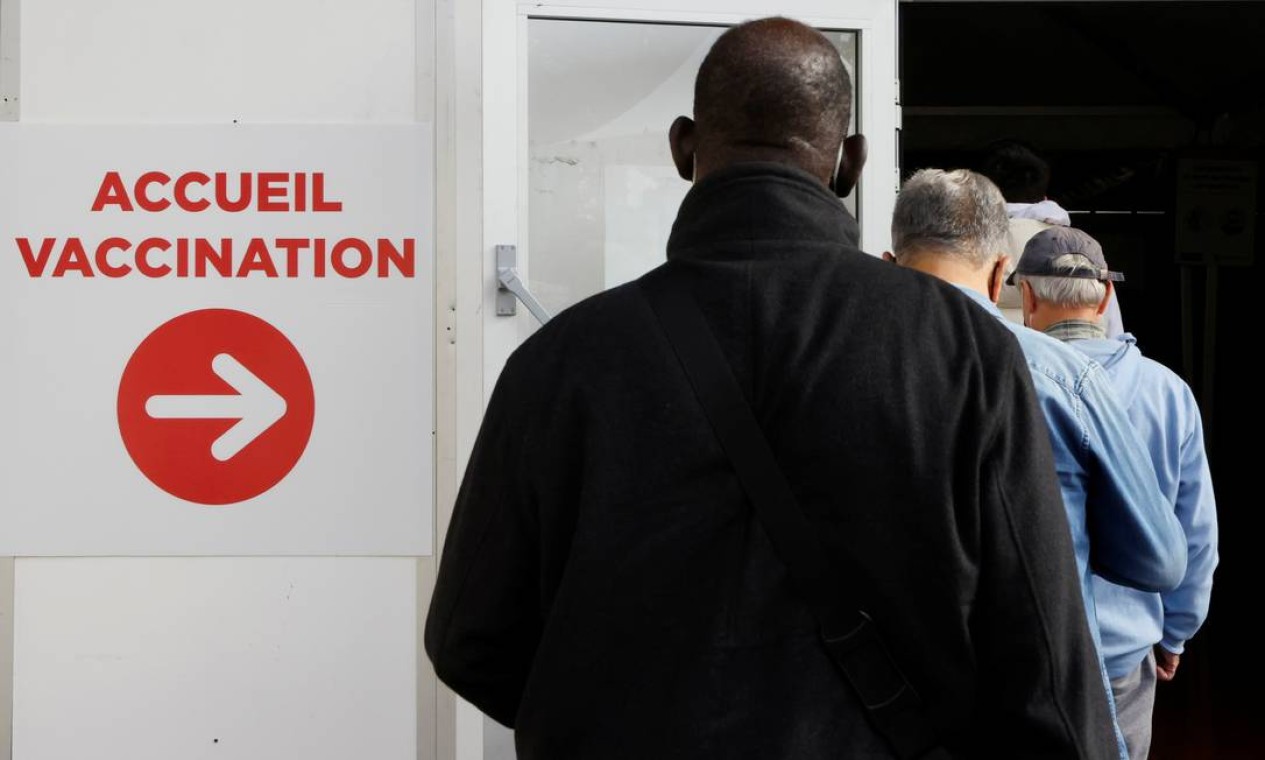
x: 216, y: 340
x: 216, y: 407
x: 1216, y: 211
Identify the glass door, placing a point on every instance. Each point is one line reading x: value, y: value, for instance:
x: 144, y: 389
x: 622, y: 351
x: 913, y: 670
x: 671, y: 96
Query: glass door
x: 577, y: 103
x: 602, y: 192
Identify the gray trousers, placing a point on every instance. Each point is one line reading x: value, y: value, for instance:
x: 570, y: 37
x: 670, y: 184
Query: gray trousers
x: 1135, y: 700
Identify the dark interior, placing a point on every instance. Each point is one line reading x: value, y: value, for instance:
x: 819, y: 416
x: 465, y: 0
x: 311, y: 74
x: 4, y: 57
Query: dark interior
x: 1116, y: 96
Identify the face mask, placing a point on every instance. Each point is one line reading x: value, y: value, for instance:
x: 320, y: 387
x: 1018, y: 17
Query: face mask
x: 834, y: 176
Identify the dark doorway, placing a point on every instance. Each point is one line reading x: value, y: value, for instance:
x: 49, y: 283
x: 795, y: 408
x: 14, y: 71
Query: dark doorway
x: 1117, y: 95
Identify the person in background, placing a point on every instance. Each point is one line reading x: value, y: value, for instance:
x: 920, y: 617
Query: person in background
x: 953, y: 225
x: 1066, y: 287
x: 1024, y: 180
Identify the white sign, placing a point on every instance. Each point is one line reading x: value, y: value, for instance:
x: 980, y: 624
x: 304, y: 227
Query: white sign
x: 1216, y: 211
x: 216, y: 340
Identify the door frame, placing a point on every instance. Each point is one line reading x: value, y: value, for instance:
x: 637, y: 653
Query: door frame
x: 482, y: 107
x: 505, y: 120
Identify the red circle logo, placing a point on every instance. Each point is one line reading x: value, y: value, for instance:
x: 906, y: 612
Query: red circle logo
x: 216, y: 406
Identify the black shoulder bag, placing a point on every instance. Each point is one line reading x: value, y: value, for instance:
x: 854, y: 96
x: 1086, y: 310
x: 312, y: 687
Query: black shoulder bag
x: 849, y: 635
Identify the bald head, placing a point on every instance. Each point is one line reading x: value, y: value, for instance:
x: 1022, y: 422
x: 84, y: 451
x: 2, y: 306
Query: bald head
x: 769, y: 90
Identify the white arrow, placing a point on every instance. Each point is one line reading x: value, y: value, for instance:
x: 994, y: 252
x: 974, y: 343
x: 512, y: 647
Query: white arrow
x: 256, y: 406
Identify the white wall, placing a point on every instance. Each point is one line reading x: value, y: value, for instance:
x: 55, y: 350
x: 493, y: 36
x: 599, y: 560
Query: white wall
x: 9, y: 27
x: 301, y: 657
x: 247, y: 60
x: 214, y: 658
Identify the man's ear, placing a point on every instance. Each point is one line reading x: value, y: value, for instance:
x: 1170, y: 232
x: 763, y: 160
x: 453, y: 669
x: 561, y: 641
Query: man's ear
x: 997, y: 278
x: 1029, y: 301
x: 681, y: 141
x: 855, y: 151
x: 1106, y: 299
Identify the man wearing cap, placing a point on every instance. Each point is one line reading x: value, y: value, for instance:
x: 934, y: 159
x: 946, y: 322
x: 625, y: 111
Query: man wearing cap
x: 1024, y: 179
x: 953, y: 225
x: 1066, y: 285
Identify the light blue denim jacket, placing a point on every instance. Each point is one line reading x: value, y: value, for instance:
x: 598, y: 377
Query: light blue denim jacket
x: 1122, y: 525
x: 1164, y: 411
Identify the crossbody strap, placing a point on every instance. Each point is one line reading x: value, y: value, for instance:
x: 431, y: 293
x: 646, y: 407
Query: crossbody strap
x: 848, y: 633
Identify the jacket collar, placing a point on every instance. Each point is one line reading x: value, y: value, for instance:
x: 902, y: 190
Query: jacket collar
x: 753, y: 202
x: 982, y: 300
x: 1076, y: 329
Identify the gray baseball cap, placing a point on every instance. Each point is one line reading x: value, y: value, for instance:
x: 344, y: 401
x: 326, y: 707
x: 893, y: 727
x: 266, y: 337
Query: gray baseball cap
x: 1048, y: 245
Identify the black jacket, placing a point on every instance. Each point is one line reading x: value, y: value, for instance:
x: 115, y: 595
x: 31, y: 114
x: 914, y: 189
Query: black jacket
x: 606, y: 590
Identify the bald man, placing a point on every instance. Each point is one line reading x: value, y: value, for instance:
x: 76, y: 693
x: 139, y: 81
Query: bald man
x: 606, y: 588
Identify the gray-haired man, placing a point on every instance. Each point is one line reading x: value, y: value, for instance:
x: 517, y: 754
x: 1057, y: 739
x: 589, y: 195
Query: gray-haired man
x: 953, y: 225
x: 1066, y: 285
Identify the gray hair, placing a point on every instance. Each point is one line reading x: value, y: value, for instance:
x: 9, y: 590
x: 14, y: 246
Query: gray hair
x: 1068, y: 292
x: 958, y: 213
